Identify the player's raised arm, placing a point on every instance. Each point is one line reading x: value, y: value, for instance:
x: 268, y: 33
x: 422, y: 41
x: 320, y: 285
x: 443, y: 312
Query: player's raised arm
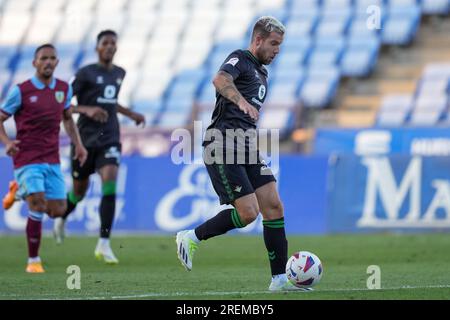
x: 138, y: 118
x: 224, y: 83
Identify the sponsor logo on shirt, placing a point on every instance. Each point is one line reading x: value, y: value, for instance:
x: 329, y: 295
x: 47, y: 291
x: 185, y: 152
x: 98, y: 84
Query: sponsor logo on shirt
x: 109, y: 95
x: 259, y: 103
x: 33, y: 99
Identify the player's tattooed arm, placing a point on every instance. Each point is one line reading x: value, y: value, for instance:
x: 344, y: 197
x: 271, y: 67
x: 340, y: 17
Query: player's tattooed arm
x: 72, y: 131
x: 135, y: 116
x: 224, y: 84
x: 11, y: 146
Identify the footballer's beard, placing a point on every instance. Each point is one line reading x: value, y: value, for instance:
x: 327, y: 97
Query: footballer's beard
x: 260, y: 56
x: 47, y: 73
x: 264, y: 58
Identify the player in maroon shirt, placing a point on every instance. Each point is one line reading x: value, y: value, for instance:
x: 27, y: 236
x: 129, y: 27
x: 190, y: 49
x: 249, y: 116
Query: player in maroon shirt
x: 38, y: 105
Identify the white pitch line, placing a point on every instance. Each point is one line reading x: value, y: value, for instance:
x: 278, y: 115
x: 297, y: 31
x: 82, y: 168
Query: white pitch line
x: 229, y: 293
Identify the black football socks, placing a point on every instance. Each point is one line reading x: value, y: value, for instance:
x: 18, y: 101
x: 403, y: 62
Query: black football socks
x: 276, y: 244
x: 221, y: 223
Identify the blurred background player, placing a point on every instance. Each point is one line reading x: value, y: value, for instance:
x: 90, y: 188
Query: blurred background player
x: 96, y: 87
x: 241, y: 85
x: 38, y: 105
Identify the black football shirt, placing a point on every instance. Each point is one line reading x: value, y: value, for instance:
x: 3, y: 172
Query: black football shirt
x: 95, y: 85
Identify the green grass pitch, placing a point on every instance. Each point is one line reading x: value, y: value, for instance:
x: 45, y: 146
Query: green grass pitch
x: 229, y: 267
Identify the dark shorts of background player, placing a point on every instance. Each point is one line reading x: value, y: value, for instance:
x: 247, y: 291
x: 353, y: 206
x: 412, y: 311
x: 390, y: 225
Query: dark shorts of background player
x: 98, y: 157
x: 233, y: 181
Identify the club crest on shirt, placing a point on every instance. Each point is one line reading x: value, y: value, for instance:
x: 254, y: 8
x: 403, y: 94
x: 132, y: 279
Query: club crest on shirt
x: 119, y: 81
x: 59, y: 95
x: 261, y: 92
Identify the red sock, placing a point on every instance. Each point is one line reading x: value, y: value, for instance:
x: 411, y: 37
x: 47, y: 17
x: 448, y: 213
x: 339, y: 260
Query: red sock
x: 33, y: 237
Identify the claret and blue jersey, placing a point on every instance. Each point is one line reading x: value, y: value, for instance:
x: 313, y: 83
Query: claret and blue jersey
x: 38, y: 111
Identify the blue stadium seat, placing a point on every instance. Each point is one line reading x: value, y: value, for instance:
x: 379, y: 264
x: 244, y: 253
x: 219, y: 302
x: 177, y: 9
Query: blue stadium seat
x: 296, y: 43
x: 26, y: 56
x: 297, y: 6
x: 360, y: 56
x: 207, y: 94
x: 179, y: 103
x: 332, y: 26
x: 186, y: 82
x: 402, y: 3
x: 88, y: 56
x: 394, y: 110
x: 307, y: 14
x: 369, y: 17
x: 327, y: 51
x: 205, y: 117
x: 364, y: 4
x: 229, y: 46
x: 325, y: 56
x: 320, y: 87
x: 283, y: 93
x: 336, y: 4
x: 67, y: 54
x: 152, y: 106
x: 359, y: 28
x: 401, y: 25
x: 428, y: 111
x: 174, y: 119
x: 436, y: 7
x: 282, y: 14
x: 183, y: 89
x: 7, y: 54
x: 221, y: 51
x: 291, y: 59
x: 431, y: 87
x: 284, y: 74
x: 282, y: 119
x: 4, y: 84
x: 149, y: 108
x: 301, y: 26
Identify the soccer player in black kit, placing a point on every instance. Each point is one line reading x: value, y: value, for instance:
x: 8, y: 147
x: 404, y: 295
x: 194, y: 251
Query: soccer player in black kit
x: 96, y: 87
x: 241, y: 88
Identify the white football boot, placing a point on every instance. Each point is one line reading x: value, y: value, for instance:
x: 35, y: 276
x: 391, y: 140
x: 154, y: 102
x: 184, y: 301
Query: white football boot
x: 186, y: 247
x: 104, y: 252
x: 279, y: 284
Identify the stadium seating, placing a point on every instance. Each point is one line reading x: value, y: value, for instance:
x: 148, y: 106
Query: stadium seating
x: 172, y: 49
x: 428, y: 106
x: 394, y: 110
